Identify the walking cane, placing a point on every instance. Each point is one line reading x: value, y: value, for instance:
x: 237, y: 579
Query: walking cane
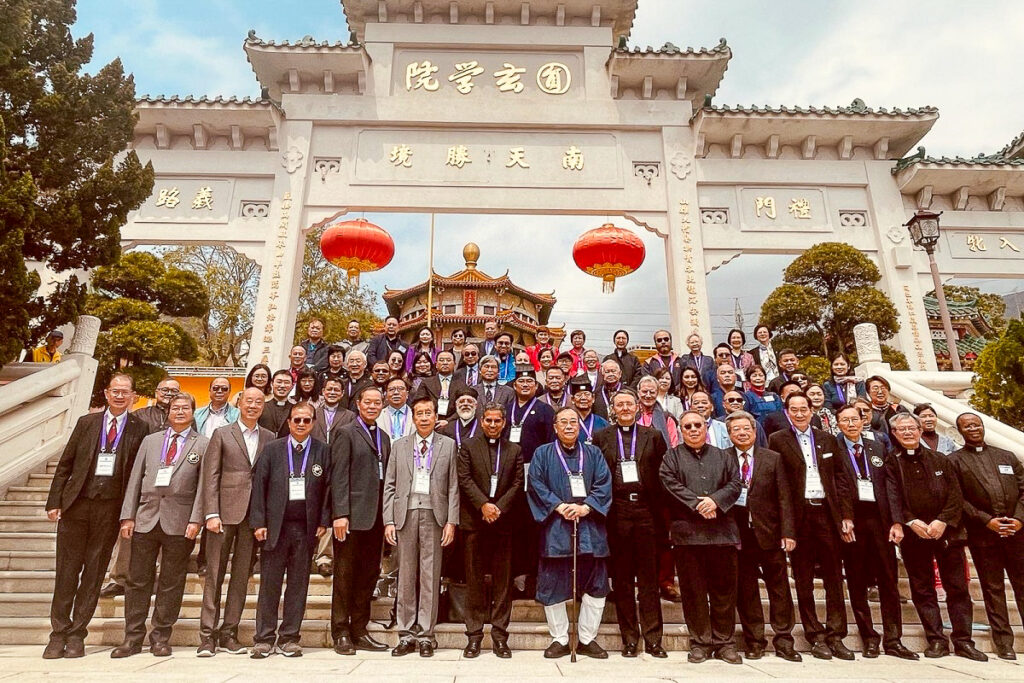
x: 573, y: 635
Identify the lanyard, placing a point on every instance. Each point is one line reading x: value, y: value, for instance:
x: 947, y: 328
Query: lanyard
x: 671, y: 360
x: 430, y: 455
x: 588, y: 431
x: 565, y: 465
x: 458, y: 431
x: 632, y: 445
x: 367, y: 430
x: 497, y: 461
x: 737, y: 359
x: 853, y: 458
x: 117, y: 439
x: 329, y: 417
x: 167, y: 437
x: 698, y: 362
x: 291, y: 463
x: 528, y: 409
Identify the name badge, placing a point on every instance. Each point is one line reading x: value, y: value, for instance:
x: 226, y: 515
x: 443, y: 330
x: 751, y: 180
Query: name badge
x: 769, y: 399
x: 1006, y: 469
x: 813, y: 489
x: 514, y: 433
x: 105, y: 465
x: 296, y: 488
x: 629, y: 473
x: 576, y: 486
x: 870, y: 436
x: 442, y: 406
x: 494, y: 486
x: 380, y: 470
x: 526, y: 476
x: 742, y: 500
x: 421, y: 482
x: 163, y: 475
x: 826, y: 455
x: 865, y: 490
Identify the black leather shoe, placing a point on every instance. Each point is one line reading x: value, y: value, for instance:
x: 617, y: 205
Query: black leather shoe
x: 54, y: 649
x: 207, y: 648
x: 592, y: 649
x: 343, y: 646
x: 936, y: 649
x: 901, y: 651
x: 556, y: 650
x: 789, y: 654
x: 821, y: 651
x: 840, y: 651
x: 125, y: 649
x: 697, y: 655
x: 501, y: 648
x: 728, y: 655
x: 404, y: 647
x: 426, y: 649
x: 325, y: 569
x: 968, y: 651
x: 1006, y: 653
x: 671, y: 593
x: 629, y: 650
x: 472, y: 648
x: 75, y: 648
x: 870, y: 650
x: 370, y: 644
x: 111, y: 590
x: 655, y: 650
x: 755, y: 652
x: 230, y: 644
x: 160, y: 649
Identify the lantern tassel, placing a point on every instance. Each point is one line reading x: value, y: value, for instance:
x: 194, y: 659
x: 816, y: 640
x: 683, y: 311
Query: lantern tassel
x: 608, y: 284
x: 353, y: 277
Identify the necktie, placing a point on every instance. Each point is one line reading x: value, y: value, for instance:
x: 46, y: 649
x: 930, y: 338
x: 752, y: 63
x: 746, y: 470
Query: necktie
x: 489, y: 393
x: 858, y: 453
x: 423, y: 447
x: 745, y: 469
x: 396, y: 423
x: 707, y: 435
x: 472, y: 377
x: 172, y: 450
x: 112, y: 433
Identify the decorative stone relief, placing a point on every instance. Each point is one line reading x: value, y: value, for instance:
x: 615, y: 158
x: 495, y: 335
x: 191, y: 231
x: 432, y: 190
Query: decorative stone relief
x: 896, y: 234
x: 853, y: 219
x: 292, y: 159
x: 714, y: 216
x: 680, y: 165
x: 254, y: 209
x: 869, y: 348
x: 326, y: 165
x: 87, y: 331
x: 647, y: 170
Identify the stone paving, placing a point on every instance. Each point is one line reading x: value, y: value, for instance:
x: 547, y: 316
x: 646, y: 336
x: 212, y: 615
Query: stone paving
x: 24, y: 663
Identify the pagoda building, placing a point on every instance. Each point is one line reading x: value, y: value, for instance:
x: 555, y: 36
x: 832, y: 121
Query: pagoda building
x: 972, y: 329
x: 468, y: 299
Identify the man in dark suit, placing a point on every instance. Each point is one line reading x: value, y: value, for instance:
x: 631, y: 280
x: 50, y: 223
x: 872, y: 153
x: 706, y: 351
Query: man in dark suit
x: 359, y: 458
x: 155, y: 416
x: 225, y: 485
x: 162, y: 515
x: 634, y: 454
x: 927, y: 515
x: 488, y: 389
x: 764, y: 516
x: 358, y: 377
x: 381, y: 346
x: 331, y: 416
x: 611, y: 382
x: 868, y: 551
x: 992, y: 481
x: 85, y: 500
x: 788, y: 364
x: 778, y: 420
x: 442, y: 386
x: 469, y: 365
x: 275, y: 413
x: 703, y: 483
x: 821, y: 505
x: 490, y: 471
x: 288, y: 512
x: 629, y: 366
x: 665, y: 359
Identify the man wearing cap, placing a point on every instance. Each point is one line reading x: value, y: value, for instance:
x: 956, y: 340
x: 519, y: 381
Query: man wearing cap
x: 490, y: 471
x: 634, y: 454
x: 48, y: 353
x: 583, y: 400
x: 629, y: 366
x: 464, y: 423
x: 570, y: 484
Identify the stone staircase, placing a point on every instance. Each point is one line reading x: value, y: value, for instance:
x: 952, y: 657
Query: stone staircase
x: 27, y: 541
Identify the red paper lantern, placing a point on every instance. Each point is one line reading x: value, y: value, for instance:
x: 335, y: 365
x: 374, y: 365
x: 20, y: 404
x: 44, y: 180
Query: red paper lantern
x: 358, y: 246
x: 608, y: 252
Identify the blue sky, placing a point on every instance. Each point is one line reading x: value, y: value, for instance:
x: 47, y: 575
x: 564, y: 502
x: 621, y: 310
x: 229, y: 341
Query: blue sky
x: 950, y: 54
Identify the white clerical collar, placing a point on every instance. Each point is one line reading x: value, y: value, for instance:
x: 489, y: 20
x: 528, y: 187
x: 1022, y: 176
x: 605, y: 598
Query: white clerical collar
x: 978, y: 449
x: 492, y: 441
x: 910, y: 451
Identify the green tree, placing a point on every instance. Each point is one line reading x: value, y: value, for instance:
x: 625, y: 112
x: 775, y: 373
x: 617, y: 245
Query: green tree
x: 233, y: 279
x: 140, y: 302
x: 999, y: 385
x: 826, y: 291
x: 65, y: 186
x: 327, y: 294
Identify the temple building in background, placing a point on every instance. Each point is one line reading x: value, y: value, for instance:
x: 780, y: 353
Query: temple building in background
x: 973, y: 331
x: 468, y: 299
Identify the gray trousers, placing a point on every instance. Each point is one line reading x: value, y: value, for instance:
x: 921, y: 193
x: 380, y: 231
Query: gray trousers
x: 120, y: 561
x: 419, y: 567
x: 237, y: 544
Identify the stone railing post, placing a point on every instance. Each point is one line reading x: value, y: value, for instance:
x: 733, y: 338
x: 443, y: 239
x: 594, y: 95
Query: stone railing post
x: 869, y: 350
x: 87, y: 331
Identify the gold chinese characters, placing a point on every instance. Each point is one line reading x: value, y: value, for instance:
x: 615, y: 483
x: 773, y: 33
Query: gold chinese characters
x: 170, y: 197
x: 976, y: 243
x: 553, y: 78
x: 798, y: 207
x: 457, y: 156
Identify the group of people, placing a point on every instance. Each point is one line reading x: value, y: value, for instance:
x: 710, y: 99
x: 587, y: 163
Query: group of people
x: 540, y: 474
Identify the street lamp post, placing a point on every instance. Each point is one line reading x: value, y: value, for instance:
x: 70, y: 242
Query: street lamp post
x: 924, y: 232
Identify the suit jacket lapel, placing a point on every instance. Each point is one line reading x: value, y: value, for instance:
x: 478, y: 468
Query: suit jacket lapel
x: 236, y: 431
x: 184, y: 450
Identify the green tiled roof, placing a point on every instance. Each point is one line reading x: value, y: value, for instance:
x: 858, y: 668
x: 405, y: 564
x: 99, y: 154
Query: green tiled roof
x: 856, y: 108
x: 957, y: 309
x: 669, y: 49
x: 966, y: 345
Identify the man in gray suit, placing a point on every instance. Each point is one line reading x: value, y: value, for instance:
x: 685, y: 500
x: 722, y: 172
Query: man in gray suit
x: 421, y: 511
x: 225, y: 485
x: 161, y: 513
x: 329, y: 419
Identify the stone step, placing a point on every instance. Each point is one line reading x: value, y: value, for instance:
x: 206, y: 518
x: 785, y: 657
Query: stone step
x: 40, y: 479
x: 22, y: 508
x: 14, y: 523
x: 20, y: 540
x: 316, y: 633
x: 36, y: 493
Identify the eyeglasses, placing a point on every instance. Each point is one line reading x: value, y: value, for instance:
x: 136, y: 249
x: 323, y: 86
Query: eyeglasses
x: 379, y: 371
x: 662, y: 339
x: 693, y: 426
x: 733, y: 400
x: 220, y: 389
x: 849, y: 420
x: 168, y: 391
x: 119, y: 393
x: 302, y: 420
x: 179, y: 409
